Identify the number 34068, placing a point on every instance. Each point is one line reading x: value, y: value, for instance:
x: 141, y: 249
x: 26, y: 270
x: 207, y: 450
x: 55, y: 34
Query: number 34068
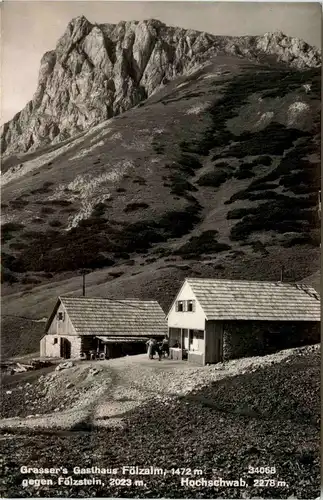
x: 261, y: 470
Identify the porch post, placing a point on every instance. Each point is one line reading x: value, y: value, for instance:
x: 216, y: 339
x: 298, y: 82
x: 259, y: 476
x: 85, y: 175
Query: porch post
x: 182, y: 342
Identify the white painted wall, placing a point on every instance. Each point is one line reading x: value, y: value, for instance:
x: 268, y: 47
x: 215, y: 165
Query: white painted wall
x: 192, y: 320
x: 49, y: 348
x: 61, y: 327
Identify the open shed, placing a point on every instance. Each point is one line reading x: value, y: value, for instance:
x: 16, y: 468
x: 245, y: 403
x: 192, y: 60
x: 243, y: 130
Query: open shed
x: 78, y: 326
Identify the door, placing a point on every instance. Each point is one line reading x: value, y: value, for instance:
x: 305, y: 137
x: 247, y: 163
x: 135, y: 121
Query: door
x: 214, y: 342
x: 65, y: 348
x: 218, y: 327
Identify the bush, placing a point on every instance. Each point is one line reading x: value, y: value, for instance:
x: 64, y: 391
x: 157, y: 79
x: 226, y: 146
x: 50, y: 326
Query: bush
x: 18, y: 204
x: 204, y: 243
x: 17, y: 245
x: 140, y: 180
x: 280, y: 216
x: 121, y: 255
x: 273, y: 140
x: 98, y: 210
x: 8, y: 277
x: 11, y: 227
x: 42, y: 190
x: 61, y: 203
x: 131, y: 207
x: 214, y: 179
x: 264, y: 160
x: 55, y: 223
x: 237, y: 213
x: 243, y: 174
x: 116, y: 274
x: 8, y: 229
x: 47, y: 210
x: 179, y: 185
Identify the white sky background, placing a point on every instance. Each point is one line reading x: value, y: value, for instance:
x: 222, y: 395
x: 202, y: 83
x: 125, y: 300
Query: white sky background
x: 30, y: 28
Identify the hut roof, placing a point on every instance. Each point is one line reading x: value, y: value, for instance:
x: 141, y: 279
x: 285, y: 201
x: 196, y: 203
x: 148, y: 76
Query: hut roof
x: 109, y: 317
x: 256, y: 300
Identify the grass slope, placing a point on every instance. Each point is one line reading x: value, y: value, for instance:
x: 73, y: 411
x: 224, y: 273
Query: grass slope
x: 215, y: 171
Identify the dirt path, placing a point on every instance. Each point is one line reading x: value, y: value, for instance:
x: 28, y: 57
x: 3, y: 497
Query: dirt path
x: 100, y: 393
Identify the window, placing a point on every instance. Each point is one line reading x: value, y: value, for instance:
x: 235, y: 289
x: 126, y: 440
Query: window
x: 60, y: 316
x: 180, y: 306
x: 55, y: 340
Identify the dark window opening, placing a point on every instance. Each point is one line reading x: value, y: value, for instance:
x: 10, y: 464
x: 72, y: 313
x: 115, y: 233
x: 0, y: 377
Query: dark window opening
x: 180, y: 306
x: 190, y: 305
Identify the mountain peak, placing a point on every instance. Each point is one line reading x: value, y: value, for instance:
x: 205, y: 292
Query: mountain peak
x: 100, y: 70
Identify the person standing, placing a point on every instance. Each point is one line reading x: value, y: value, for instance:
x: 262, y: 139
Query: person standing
x: 165, y: 346
x: 150, y: 345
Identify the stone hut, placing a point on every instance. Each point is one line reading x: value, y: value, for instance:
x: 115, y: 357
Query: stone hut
x: 79, y: 326
x: 212, y: 320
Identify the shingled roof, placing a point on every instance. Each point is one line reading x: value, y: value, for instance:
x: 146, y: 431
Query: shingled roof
x: 107, y: 317
x: 256, y: 300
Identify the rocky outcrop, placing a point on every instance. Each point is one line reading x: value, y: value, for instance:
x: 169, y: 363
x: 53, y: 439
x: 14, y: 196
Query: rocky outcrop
x: 100, y: 70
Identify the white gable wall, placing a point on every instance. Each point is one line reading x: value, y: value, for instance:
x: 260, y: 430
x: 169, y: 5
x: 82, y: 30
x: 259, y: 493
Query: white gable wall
x: 194, y: 320
x: 61, y: 327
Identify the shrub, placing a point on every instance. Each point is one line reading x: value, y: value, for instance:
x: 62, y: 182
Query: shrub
x: 61, y: 203
x: 204, y: 243
x: 150, y: 260
x: 264, y: 160
x: 8, y: 229
x: 179, y: 185
x: 140, y: 180
x: 237, y: 213
x: 11, y: 227
x: 17, y: 245
x: 98, y: 210
x: 116, y: 274
x: 214, y: 179
x: 55, y: 223
x: 18, y: 204
x: 47, y: 210
x: 8, y: 277
x: 131, y: 207
x: 68, y: 210
x: 121, y: 255
x: 273, y: 140
x: 30, y: 280
x: 243, y: 174
x: 281, y: 215
x: 189, y: 164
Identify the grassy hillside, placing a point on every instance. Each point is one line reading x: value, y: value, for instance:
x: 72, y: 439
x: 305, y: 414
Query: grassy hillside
x: 217, y: 174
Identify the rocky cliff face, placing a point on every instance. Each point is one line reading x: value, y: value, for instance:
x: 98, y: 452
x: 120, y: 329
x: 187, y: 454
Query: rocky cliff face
x: 100, y: 70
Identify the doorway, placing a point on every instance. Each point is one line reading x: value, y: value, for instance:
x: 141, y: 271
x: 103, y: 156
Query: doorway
x: 65, y: 348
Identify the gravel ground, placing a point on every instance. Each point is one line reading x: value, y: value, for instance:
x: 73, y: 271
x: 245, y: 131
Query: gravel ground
x: 265, y: 415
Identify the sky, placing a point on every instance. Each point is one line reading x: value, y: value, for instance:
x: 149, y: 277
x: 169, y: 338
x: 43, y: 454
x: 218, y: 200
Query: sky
x: 30, y: 28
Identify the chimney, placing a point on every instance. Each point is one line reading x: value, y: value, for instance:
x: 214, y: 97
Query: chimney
x: 282, y: 274
x: 83, y: 275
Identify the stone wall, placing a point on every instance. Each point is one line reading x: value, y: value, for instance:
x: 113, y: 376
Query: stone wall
x: 51, y: 345
x: 257, y: 338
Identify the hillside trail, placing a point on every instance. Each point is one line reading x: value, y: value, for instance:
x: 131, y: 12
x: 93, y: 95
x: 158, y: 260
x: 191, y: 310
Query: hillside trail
x: 103, y: 392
